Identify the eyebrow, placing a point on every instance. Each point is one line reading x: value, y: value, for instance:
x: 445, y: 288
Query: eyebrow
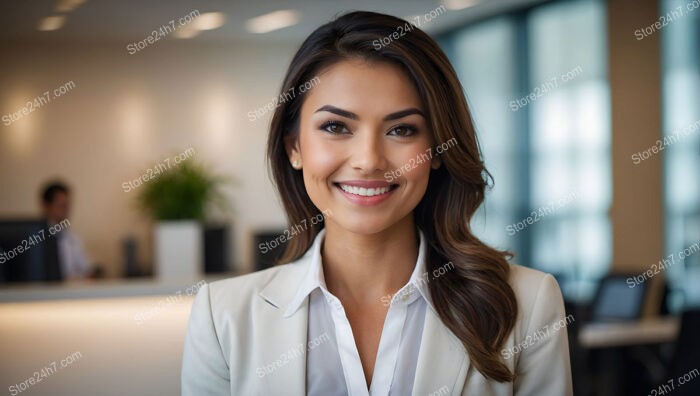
x: 348, y: 114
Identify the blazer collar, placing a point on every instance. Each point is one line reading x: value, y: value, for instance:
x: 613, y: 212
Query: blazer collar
x: 281, y: 289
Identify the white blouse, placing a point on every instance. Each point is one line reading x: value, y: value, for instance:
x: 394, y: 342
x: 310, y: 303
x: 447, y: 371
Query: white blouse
x: 333, y: 362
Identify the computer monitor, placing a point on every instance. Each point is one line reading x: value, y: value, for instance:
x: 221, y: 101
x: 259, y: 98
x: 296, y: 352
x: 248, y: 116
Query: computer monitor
x: 615, y: 300
x: 28, y: 253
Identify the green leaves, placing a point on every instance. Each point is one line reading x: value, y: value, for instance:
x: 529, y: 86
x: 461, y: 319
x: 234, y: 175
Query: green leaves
x: 181, y: 193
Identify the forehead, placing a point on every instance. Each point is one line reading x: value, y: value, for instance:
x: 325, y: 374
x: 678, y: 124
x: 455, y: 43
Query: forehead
x: 369, y: 88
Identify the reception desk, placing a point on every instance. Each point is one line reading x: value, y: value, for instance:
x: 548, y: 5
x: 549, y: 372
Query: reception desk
x: 98, y: 338
x: 641, y: 332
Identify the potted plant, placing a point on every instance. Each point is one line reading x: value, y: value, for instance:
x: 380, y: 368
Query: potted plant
x: 178, y: 199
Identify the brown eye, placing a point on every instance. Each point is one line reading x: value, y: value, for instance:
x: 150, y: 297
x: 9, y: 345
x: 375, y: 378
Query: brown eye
x: 334, y: 127
x: 403, y: 131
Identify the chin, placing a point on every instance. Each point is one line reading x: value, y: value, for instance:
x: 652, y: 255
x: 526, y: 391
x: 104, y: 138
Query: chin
x: 362, y: 227
x: 368, y: 223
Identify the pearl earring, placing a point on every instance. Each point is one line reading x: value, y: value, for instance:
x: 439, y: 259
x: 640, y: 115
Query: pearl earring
x: 295, y: 164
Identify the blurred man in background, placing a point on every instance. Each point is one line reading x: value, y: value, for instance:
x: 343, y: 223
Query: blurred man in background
x: 55, y: 204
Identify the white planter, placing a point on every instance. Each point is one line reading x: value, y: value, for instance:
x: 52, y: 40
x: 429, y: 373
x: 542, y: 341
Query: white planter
x: 179, y: 250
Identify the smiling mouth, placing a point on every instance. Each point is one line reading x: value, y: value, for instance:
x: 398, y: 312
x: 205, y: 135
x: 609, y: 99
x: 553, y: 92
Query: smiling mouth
x: 365, y: 192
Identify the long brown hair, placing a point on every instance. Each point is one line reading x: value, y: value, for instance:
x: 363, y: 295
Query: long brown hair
x: 474, y: 300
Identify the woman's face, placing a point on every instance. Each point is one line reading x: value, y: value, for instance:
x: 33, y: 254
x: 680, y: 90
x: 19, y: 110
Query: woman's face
x: 364, y: 146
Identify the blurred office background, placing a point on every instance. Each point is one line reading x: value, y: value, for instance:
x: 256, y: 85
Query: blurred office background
x: 569, y: 97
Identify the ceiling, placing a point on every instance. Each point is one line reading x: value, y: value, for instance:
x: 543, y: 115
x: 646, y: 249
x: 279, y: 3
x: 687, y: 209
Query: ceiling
x: 125, y: 21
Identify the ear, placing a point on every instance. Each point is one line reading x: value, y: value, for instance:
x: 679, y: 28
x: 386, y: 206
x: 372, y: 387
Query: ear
x: 291, y: 146
x: 436, y: 163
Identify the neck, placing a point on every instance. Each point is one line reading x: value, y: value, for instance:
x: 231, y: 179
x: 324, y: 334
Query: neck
x: 362, y: 268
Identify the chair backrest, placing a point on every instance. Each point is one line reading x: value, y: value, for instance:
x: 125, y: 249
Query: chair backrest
x: 617, y: 300
x: 29, y: 253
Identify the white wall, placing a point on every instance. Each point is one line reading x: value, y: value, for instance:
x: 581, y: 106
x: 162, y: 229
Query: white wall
x: 128, y: 113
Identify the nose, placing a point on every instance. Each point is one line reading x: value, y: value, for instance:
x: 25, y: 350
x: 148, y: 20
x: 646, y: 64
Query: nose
x: 368, y: 153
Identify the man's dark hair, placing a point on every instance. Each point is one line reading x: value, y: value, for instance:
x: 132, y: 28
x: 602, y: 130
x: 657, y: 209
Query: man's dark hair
x: 51, y: 189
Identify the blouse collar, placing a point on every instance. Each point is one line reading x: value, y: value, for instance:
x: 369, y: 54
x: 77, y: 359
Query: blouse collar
x: 415, y: 287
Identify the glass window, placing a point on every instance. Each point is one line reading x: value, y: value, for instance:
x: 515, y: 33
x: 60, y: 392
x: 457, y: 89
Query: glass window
x: 488, y: 83
x: 680, y: 44
x: 540, y: 100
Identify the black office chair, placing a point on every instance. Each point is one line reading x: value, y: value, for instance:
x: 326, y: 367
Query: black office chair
x: 616, y: 301
x: 686, y: 359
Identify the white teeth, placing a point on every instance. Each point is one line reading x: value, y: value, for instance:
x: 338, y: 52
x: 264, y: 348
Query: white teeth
x: 365, y: 192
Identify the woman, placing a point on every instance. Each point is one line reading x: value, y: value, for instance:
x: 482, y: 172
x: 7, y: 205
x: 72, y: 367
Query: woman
x: 386, y: 290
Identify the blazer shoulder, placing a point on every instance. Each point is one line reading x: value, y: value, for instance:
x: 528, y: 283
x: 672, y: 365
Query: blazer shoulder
x: 534, y: 289
x: 539, y: 342
x: 527, y: 281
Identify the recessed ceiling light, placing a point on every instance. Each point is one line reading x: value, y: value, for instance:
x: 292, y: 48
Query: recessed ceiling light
x: 272, y: 21
x: 67, y: 5
x: 186, y: 32
x: 209, y: 21
x: 49, y: 23
x: 459, y: 4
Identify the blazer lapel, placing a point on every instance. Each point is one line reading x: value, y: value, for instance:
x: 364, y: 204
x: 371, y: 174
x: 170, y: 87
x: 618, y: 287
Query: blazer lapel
x: 442, y: 360
x: 284, y: 345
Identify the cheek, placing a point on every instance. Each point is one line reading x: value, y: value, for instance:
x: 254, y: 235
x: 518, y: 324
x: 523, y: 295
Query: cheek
x: 318, y: 157
x: 415, y: 161
x: 420, y: 175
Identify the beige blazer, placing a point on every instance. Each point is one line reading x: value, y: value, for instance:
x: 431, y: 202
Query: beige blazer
x: 237, y: 327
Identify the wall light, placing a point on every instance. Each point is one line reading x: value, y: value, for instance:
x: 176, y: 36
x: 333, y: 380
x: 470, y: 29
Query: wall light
x: 209, y: 21
x: 49, y: 23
